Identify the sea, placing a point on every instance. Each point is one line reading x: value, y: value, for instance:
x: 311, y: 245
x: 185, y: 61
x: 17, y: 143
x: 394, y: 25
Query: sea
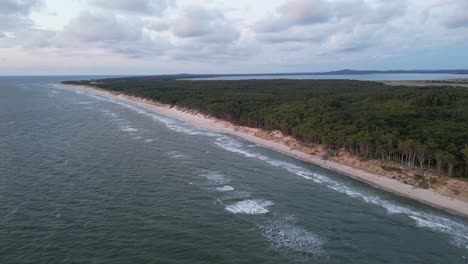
x: 91, y: 179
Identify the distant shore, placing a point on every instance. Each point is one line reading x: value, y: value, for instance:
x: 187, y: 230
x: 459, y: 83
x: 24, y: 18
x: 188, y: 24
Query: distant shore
x: 426, y: 196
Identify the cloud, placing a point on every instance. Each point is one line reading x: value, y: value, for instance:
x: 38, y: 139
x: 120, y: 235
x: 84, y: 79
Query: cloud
x: 331, y: 27
x: 23, y: 7
x: 453, y: 13
x: 118, y: 34
x: 295, y: 13
x: 458, y: 19
x: 102, y: 27
x: 141, y: 7
x: 204, y: 24
x: 261, y: 33
x: 14, y: 13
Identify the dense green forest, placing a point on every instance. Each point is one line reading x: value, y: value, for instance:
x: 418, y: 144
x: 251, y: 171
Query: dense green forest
x: 419, y: 127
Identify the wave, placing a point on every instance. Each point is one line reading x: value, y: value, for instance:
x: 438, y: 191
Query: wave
x: 128, y: 129
x: 9, y: 123
x: 109, y: 113
x: 288, y: 236
x: 251, y: 207
x: 425, y: 220
x: 168, y: 122
x: 175, y: 155
x: 216, y: 177
x: 226, y: 188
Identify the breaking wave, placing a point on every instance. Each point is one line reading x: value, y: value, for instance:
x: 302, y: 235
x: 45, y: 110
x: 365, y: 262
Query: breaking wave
x: 226, y: 188
x: 251, y: 207
x: 286, y: 236
x: 215, y: 177
x: 433, y: 222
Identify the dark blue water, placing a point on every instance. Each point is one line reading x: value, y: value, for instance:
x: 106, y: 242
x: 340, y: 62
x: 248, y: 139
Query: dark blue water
x: 87, y: 179
x: 361, y: 77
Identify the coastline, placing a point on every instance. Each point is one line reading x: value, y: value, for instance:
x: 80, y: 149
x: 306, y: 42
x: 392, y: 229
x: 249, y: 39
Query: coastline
x: 426, y: 196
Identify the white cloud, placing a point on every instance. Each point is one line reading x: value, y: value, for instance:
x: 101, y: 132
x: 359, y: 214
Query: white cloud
x: 295, y: 13
x: 14, y: 13
x: 285, y: 33
x: 142, y: 7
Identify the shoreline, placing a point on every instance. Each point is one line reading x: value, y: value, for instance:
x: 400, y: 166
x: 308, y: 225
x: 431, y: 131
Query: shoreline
x: 426, y: 196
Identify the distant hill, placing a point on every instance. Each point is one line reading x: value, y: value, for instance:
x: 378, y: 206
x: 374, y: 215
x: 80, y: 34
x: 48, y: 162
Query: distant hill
x: 168, y: 77
x: 349, y: 72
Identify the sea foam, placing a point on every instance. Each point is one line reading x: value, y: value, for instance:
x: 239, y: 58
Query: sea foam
x: 289, y: 237
x: 422, y: 219
x: 252, y: 207
x: 215, y: 177
x: 226, y: 188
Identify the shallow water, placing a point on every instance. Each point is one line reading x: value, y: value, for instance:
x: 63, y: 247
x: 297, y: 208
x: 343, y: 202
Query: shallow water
x: 87, y: 179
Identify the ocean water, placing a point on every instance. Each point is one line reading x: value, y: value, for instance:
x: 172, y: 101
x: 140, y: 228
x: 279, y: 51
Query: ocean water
x: 88, y: 179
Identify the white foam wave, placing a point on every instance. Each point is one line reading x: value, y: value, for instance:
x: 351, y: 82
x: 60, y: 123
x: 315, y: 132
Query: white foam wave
x: 189, y: 131
x: 128, y: 129
x: 109, y: 113
x: 169, y: 123
x: 426, y: 220
x: 84, y: 103
x: 176, y: 154
x: 215, y: 176
x: 226, y: 188
x: 284, y: 235
x: 149, y: 140
x: 426, y: 223
x: 252, y: 207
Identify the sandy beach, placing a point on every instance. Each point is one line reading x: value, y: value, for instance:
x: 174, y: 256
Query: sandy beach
x: 426, y: 196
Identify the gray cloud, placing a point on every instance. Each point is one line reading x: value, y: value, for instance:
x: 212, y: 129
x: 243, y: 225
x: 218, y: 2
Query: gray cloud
x: 203, y: 24
x: 362, y: 12
x: 102, y: 27
x: 452, y: 14
x: 205, y: 34
x: 106, y: 31
x: 337, y: 26
x: 456, y: 15
x: 14, y: 13
x: 18, y: 6
x: 299, y: 31
x: 296, y: 13
x: 458, y: 20
x: 142, y: 7
x: 158, y: 25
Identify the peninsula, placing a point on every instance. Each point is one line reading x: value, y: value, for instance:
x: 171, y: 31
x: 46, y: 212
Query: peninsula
x: 409, y: 140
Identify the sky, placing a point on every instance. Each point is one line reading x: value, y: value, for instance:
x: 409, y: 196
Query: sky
x: 139, y: 37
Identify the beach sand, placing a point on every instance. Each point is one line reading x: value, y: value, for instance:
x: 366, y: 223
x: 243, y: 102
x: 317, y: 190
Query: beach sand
x: 426, y: 196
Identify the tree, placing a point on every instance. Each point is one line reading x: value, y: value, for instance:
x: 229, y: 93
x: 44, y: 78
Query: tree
x: 464, y: 152
x: 421, y: 153
x: 450, y: 160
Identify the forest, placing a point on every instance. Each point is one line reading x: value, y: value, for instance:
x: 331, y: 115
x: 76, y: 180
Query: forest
x: 423, y: 128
